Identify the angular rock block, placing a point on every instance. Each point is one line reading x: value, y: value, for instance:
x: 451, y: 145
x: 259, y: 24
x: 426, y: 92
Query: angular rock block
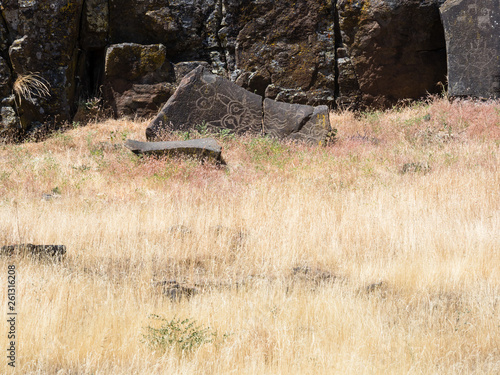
x: 204, y: 99
x: 138, y: 79
x: 203, y: 148
x: 472, y: 31
x: 296, y: 121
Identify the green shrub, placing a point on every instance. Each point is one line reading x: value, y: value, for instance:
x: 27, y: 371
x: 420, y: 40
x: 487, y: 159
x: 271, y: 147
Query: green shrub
x: 182, y: 335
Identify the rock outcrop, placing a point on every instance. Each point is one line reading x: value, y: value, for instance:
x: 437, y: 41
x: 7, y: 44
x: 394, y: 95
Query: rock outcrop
x: 390, y: 50
x: 342, y: 52
x: 207, y: 100
x: 284, y: 50
x: 473, y: 43
x: 44, y: 39
x: 138, y: 79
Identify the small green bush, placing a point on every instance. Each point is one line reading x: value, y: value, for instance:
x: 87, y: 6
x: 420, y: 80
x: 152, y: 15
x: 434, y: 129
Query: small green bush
x: 183, y: 335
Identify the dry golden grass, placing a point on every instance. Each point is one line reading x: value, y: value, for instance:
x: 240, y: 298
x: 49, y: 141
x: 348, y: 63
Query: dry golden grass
x: 282, y: 247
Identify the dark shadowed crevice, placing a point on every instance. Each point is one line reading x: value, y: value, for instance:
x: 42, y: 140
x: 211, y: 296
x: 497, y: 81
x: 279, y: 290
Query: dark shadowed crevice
x: 95, y: 65
x: 5, y: 52
x: 338, y: 44
x: 90, y: 72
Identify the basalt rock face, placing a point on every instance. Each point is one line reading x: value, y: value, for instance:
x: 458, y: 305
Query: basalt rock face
x: 187, y: 28
x: 336, y: 52
x: 473, y: 44
x: 138, y: 79
x: 43, y: 38
x: 284, y: 50
x: 394, y: 49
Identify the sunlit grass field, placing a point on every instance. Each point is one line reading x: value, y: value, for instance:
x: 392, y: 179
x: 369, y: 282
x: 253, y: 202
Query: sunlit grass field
x: 377, y: 254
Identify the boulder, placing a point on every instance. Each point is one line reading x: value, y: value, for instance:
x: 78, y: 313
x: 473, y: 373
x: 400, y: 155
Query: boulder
x: 208, y: 100
x: 45, y: 35
x: 472, y: 32
x: 396, y: 49
x: 296, y: 121
x: 138, y: 79
x: 202, y: 148
x: 204, y: 99
x: 4, y: 37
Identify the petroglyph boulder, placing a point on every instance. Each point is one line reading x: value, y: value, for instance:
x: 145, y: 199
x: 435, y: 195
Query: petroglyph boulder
x: 204, y: 99
x: 296, y: 121
x: 212, y: 101
x: 472, y: 30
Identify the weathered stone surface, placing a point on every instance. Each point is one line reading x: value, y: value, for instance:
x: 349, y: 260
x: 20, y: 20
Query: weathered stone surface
x: 95, y: 24
x: 4, y: 39
x: 46, y: 41
x: 5, y: 79
x: 396, y: 47
x: 203, y: 98
x: 204, y: 148
x: 182, y: 26
x: 183, y: 68
x: 289, y: 44
x: 472, y: 31
x: 40, y: 251
x: 8, y: 120
x: 295, y: 121
x: 206, y: 99
x: 348, y: 52
x: 138, y: 79
x: 283, y: 119
x: 349, y: 94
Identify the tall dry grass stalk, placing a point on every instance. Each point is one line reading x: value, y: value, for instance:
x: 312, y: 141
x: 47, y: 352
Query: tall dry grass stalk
x: 305, y: 260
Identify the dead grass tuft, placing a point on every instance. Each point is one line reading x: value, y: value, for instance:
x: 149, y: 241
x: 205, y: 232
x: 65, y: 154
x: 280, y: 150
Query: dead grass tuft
x: 31, y: 86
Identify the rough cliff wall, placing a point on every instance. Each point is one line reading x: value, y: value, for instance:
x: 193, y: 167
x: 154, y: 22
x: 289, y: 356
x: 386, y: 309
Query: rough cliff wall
x: 133, y: 53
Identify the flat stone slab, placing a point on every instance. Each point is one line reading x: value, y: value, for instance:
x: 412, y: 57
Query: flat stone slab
x: 472, y: 31
x: 205, y: 99
x: 53, y: 251
x: 296, y: 121
x: 202, y: 148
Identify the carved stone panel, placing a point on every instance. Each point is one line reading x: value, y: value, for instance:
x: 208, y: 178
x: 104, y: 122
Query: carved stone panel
x: 472, y: 29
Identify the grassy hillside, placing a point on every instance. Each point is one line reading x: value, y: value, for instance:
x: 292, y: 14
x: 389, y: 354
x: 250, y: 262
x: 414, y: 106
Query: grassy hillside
x: 379, y: 254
